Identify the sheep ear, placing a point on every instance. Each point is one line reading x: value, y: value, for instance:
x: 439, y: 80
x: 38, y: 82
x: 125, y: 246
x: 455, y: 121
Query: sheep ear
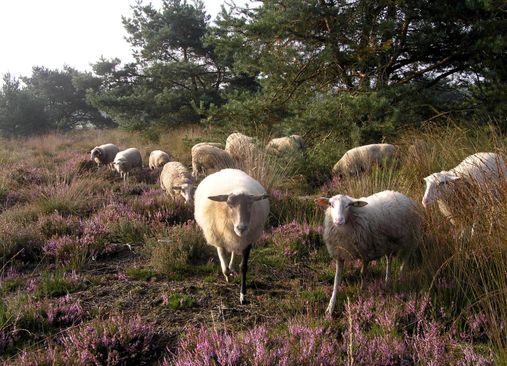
x: 453, y: 177
x: 260, y: 197
x: 359, y: 203
x: 219, y: 198
x: 322, y: 201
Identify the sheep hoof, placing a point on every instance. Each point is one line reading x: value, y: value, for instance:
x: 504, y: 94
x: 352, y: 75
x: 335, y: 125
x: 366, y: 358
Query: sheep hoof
x: 226, y: 277
x: 243, y: 300
x: 329, y: 311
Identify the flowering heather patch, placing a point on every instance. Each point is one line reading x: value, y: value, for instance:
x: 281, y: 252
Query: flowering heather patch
x: 64, y: 312
x: 26, y: 175
x: 297, y: 240
x: 400, y: 330
x: 299, y: 344
x: 115, y: 341
x: 56, y: 224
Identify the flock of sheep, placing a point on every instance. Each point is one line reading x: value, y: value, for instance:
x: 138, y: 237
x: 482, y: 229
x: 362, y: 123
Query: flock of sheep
x: 231, y: 207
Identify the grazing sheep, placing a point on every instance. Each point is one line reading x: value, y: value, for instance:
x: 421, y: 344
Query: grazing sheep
x: 241, y: 147
x: 476, y: 171
x: 215, y: 144
x: 285, y: 144
x: 368, y: 228
x: 231, y: 208
x: 208, y: 159
x: 104, y: 154
x: 158, y: 159
x: 362, y: 158
x: 176, y: 180
x: 126, y: 160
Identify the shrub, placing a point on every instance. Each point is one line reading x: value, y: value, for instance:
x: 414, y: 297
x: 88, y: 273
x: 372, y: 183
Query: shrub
x: 297, y: 241
x: 183, y: 246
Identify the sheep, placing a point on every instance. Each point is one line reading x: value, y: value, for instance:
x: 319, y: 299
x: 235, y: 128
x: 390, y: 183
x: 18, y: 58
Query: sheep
x: 361, y: 158
x: 241, y: 147
x: 285, y: 144
x: 158, y: 158
x: 176, y: 179
x: 477, y: 171
x: 231, y: 208
x: 383, y: 224
x: 126, y: 160
x: 208, y: 159
x: 215, y: 144
x: 104, y: 154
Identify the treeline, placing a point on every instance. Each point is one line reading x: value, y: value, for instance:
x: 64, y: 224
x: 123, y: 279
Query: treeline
x: 360, y: 68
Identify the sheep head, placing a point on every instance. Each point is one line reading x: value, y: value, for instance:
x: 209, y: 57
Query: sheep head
x: 437, y: 184
x: 240, y: 209
x: 341, y: 206
x: 186, y: 191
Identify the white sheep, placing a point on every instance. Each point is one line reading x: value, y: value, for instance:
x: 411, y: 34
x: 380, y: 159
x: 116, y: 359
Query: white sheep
x: 481, y: 170
x: 362, y: 158
x: 126, y: 160
x: 176, y: 180
x: 241, y: 147
x: 285, y: 144
x: 158, y: 158
x: 104, y: 154
x: 208, y: 159
x: 231, y: 208
x: 368, y: 228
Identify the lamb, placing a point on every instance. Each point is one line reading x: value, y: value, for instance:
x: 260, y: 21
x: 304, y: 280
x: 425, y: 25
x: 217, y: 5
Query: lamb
x: 126, y: 160
x: 176, y: 180
x: 104, y: 154
x: 285, y: 144
x: 479, y: 171
x: 362, y: 158
x: 208, y: 159
x: 383, y: 224
x: 231, y: 208
x: 241, y: 147
x: 158, y: 158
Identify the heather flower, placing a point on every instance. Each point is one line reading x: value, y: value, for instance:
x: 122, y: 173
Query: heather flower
x: 64, y: 312
x: 296, y: 240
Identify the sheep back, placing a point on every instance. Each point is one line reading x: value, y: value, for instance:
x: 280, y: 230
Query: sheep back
x: 208, y: 159
x: 158, y: 158
x: 361, y: 158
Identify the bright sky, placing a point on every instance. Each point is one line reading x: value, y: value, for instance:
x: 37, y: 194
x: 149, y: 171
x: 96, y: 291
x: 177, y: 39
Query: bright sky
x: 54, y: 33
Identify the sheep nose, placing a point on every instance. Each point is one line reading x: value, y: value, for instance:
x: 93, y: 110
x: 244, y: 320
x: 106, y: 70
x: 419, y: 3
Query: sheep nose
x: 241, y: 228
x: 339, y: 221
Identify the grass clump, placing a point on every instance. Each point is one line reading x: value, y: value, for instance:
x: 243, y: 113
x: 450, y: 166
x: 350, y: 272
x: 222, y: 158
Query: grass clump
x: 179, y: 301
x: 141, y: 274
x: 54, y: 284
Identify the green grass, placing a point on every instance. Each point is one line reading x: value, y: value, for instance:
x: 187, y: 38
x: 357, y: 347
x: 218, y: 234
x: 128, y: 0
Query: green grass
x: 141, y: 274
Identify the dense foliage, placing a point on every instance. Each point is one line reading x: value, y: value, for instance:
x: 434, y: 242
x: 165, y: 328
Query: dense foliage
x: 364, y: 67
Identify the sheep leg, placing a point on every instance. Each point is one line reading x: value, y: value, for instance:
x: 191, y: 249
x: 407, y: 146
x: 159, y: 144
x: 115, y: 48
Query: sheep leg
x: 337, y: 280
x: 231, y: 265
x: 388, y: 259
x: 223, y: 264
x: 244, y: 268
